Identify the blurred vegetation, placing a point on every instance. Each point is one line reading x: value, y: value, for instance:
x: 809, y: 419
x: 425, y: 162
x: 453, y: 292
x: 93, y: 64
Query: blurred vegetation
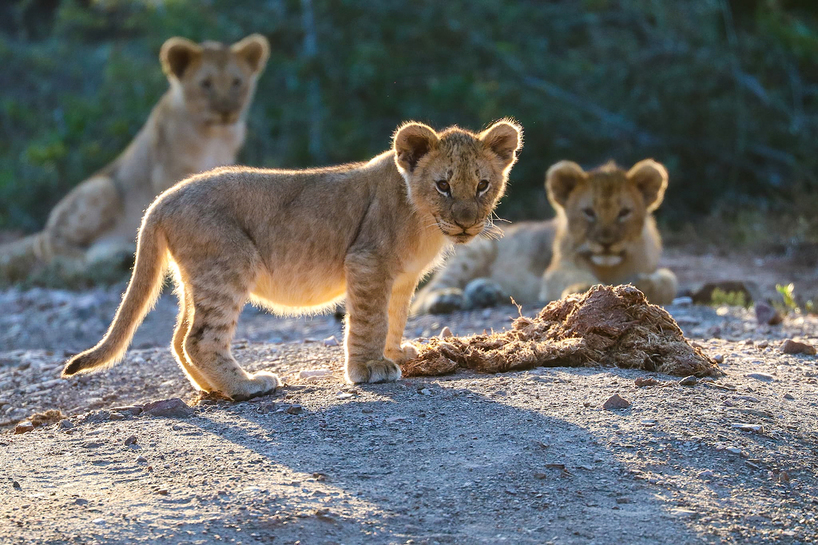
x: 724, y: 92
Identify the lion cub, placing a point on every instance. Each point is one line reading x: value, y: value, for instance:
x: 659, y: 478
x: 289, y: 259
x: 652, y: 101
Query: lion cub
x: 299, y: 241
x: 197, y: 125
x: 604, y: 233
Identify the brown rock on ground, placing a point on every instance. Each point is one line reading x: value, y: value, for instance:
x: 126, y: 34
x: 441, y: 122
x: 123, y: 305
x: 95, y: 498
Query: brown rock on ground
x: 795, y: 347
x: 606, y: 326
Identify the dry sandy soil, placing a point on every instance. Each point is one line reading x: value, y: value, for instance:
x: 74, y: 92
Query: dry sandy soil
x: 526, y: 457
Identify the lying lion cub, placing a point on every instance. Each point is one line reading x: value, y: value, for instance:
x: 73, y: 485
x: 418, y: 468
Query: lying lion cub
x: 604, y: 233
x: 298, y: 241
x: 197, y: 125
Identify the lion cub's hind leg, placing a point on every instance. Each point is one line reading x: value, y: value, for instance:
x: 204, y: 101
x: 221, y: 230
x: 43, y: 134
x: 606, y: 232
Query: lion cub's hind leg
x: 216, y: 308
x: 183, y: 324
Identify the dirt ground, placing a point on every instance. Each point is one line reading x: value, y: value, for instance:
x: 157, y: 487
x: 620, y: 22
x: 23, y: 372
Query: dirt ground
x: 525, y: 457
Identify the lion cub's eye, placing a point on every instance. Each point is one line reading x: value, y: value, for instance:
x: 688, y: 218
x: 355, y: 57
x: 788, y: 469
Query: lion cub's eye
x: 443, y: 186
x: 589, y: 213
x: 206, y: 83
x: 624, y: 213
x: 236, y: 82
x: 482, y: 186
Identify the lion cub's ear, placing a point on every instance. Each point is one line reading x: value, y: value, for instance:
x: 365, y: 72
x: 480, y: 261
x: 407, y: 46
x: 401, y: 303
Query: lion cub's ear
x: 650, y: 178
x: 561, y: 179
x: 177, y: 54
x: 411, y: 142
x: 255, y: 49
x: 504, y: 138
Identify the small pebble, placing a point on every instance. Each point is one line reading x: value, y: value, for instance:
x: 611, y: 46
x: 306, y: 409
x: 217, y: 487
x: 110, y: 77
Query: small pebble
x: 131, y: 440
x: 141, y: 460
x: 789, y: 396
x: 295, y: 409
x: 616, y: 402
x: 795, y: 347
x: 747, y: 427
x: 446, y: 333
x: 718, y: 358
x: 761, y: 376
x: 23, y: 427
x: 762, y: 345
x: 66, y: 424
x: 641, y: 382
x: 331, y: 341
x: 688, y: 381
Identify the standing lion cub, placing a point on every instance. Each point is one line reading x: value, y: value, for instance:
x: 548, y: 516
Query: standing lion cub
x: 197, y: 125
x: 298, y: 241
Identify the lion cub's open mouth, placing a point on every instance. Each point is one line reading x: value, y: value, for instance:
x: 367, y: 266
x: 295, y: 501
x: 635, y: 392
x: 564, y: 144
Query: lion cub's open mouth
x: 606, y: 260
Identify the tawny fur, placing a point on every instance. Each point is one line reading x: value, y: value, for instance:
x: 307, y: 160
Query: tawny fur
x: 197, y: 125
x: 587, y: 243
x: 298, y: 241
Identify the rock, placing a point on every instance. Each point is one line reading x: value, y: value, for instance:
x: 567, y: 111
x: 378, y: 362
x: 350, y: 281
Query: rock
x: 762, y: 345
x: 688, y: 381
x: 128, y: 409
x: 16, y: 486
x: 445, y: 333
x: 117, y: 416
x: 141, y: 460
x: 295, y: 409
x: 314, y: 373
x: 171, y: 408
x: 706, y: 474
x: 789, y: 396
x: 330, y: 341
x: 767, y: 315
x: 641, y: 382
x: 131, y: 440
x: 344, y: 395
x: 795, y: 347
x: 425, y: 391
x: 761, y: 376
x: 162, y: 491
x: 683, y: 301
x: 718, y: 358
x: 616, y: 402
x: 747, y: 427
x: 23, y: 427
x: 66, y: 424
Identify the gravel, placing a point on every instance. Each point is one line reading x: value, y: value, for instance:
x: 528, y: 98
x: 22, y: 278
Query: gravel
x: 526, y: 457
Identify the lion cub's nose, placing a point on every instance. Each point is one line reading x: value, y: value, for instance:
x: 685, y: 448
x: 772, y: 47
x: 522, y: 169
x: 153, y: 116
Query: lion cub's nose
x: 464, y: 214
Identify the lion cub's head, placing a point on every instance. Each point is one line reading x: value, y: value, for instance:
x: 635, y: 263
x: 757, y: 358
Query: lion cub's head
x: 456, y: 177
x: 605, y: 208
x: 215, y: 81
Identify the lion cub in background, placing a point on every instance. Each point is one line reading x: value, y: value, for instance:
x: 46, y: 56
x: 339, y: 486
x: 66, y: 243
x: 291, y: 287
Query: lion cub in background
x: 298, y: 241
x: 604, y: 233
x: 197, y: 125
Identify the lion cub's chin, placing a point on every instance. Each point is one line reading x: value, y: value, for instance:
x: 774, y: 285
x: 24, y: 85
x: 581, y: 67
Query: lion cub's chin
x: 606, y: 260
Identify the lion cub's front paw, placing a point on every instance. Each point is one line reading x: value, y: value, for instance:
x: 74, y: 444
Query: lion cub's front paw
x: 407, y: 352
x: 380, y: 370
x: 259, y: 384
x: 445, y: 301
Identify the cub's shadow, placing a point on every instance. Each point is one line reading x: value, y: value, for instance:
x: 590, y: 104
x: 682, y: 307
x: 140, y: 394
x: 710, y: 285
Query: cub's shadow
x: 432, y: 454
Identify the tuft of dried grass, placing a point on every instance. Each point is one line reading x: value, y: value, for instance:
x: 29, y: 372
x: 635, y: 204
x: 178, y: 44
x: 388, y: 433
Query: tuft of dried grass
x: 606, y: 326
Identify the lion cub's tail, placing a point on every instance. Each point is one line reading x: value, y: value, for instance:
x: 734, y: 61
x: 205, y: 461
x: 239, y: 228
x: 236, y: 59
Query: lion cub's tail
x: 142, y: 292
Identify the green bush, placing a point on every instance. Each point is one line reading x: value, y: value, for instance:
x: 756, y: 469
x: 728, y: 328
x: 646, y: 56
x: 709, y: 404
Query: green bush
x: 725, y: 93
